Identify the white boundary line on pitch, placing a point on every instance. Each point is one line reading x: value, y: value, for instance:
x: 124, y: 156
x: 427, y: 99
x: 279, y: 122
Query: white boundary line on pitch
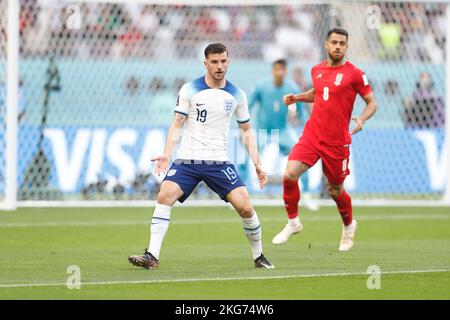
x: 219, y: 203
x: 318, y: 275
x: 395, y: 217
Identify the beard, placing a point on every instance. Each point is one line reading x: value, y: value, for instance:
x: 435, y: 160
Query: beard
x: 336, y: 59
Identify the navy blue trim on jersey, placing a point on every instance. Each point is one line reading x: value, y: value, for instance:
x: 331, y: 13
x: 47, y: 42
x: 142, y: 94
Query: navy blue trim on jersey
x: 230, y: 88
x: 200, y: 84
x: 243, y: 121
x: 181, y: 112
x: 219, y: 177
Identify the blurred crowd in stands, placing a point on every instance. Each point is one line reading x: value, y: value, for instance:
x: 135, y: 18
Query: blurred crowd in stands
x: 406, y: 31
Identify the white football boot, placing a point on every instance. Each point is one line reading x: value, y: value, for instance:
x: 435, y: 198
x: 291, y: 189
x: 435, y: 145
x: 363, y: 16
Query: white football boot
x: 348, y: 234
x: 286, y: 233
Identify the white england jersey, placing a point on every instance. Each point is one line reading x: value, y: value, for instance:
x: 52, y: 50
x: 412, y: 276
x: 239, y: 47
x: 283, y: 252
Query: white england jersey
x: 209, y: 112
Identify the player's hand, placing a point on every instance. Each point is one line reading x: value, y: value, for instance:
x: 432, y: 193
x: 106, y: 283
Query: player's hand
x: 262, y: 176
x: 359, y: 125
x: 289, y: 99
x: 162, y: 164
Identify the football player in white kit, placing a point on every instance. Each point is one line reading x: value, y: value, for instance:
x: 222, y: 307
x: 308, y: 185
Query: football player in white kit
x: 205, y: 107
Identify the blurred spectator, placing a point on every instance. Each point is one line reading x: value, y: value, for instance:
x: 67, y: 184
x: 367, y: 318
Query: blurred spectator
x: 128, y: 43
x: 390, y: 40
x: 177, y: 84
x: 288, y: 38
x: 156, y: 84
x: 424, y: 108
x: 207, y: 23
x: 132, y: 86
x: 391, y: 88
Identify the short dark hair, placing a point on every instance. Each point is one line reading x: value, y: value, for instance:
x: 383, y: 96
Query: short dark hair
x: 215, y: 48
x: 283, y: 62
x: 338, y: 31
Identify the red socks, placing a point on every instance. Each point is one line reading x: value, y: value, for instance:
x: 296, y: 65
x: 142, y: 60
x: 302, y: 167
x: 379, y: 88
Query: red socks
x: 344, y: 204
x: 291, y: 196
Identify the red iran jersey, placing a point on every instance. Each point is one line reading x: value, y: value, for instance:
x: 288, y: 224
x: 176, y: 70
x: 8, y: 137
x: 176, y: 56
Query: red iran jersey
x: 335, y: 93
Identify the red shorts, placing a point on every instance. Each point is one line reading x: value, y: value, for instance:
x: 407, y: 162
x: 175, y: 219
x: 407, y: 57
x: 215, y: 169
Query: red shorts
x: 309, y: 150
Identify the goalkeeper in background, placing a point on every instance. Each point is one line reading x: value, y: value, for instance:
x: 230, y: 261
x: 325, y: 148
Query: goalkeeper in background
x: 267, y: 107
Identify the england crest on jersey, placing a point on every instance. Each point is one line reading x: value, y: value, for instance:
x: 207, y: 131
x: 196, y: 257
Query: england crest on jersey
x: 228, y: 106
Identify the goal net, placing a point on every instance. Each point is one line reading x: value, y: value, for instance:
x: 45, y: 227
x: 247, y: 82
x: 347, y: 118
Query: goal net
x: 98, y: 82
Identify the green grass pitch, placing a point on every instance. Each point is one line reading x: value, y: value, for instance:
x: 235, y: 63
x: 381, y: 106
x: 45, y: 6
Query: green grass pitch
x: 206, y: 255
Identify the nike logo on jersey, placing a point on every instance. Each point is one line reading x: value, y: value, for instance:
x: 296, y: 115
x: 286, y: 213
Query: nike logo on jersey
x: 200, y: 104
x: 234, y: 182
x: 319, y: 76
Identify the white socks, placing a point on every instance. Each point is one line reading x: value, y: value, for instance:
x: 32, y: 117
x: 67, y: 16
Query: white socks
x: 158, y: 228
x: 294, y: 222
x: 252, y: 229
x: 160, y: 225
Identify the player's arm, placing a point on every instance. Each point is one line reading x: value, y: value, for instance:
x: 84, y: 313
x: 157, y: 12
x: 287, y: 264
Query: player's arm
x: 249, y: 139
x: 163, y: 161
x: 368, y: 112
x: 307, y: 96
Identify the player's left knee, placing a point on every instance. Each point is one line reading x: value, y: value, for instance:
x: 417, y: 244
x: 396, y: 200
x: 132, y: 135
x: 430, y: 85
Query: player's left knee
x: 246, y: 210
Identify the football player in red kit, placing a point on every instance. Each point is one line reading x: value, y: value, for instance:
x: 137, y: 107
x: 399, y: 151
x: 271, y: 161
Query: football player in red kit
x: 326, y: 136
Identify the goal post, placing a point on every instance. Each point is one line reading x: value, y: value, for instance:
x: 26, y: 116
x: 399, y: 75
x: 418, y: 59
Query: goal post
x: 10, y: 137
x: 446, y: 198
x: 87, y: 100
